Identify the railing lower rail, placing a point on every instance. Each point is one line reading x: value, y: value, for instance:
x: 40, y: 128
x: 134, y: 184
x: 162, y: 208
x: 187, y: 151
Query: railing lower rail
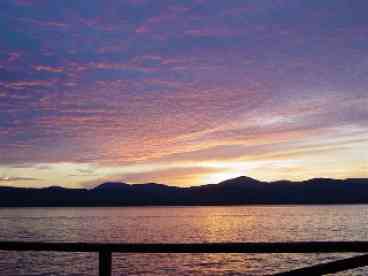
x: 105, y: 251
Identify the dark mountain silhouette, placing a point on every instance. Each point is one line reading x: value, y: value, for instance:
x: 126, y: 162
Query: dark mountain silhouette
x: 240, y: 190
x: 112, y: 186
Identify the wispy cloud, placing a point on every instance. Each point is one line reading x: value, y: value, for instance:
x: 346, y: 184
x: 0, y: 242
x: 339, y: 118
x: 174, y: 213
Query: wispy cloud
x: 16, y: 179
x: 159, y: 83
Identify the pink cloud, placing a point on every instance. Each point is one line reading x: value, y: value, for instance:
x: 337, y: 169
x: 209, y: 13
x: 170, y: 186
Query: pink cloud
x: 51, y: 69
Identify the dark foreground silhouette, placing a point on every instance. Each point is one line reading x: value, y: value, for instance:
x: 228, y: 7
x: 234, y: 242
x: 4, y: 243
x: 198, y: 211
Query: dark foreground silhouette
x: 241, y: 190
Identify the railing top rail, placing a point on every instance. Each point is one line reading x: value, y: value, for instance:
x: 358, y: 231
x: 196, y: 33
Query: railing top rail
x: 248, y: 247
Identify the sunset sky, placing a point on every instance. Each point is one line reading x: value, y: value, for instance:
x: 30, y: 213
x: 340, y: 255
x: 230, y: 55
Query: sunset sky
x: 182, y: 92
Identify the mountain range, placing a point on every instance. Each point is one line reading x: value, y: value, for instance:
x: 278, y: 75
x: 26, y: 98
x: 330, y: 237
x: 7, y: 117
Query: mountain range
x: 236, y: 191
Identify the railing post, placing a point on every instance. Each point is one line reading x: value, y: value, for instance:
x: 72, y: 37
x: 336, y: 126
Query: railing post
x: 104, y: 263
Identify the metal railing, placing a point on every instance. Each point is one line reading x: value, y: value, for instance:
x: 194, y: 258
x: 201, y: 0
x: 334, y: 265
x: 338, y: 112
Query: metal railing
x: 105, y: 251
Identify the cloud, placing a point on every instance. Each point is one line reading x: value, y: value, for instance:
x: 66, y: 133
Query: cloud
x: 49, y: 68
x: 134, y: 82
x: 188, y: 176
x: 16, y: 179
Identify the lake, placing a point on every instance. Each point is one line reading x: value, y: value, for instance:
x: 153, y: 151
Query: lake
x: 177, y: 225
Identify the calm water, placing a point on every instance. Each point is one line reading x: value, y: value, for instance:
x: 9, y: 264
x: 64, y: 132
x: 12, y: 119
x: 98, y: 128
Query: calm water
x: 176, y: 224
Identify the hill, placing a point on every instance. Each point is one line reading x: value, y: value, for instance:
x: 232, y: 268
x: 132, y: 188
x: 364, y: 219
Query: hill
x: 241, y: 190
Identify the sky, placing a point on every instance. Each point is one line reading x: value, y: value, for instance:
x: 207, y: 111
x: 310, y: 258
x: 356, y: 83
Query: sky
x: 182, y: 92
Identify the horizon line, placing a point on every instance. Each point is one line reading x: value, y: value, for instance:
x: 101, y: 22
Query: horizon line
x: 183, y: 187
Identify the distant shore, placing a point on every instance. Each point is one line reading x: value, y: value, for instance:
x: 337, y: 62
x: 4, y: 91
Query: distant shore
x: 237, y: 191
